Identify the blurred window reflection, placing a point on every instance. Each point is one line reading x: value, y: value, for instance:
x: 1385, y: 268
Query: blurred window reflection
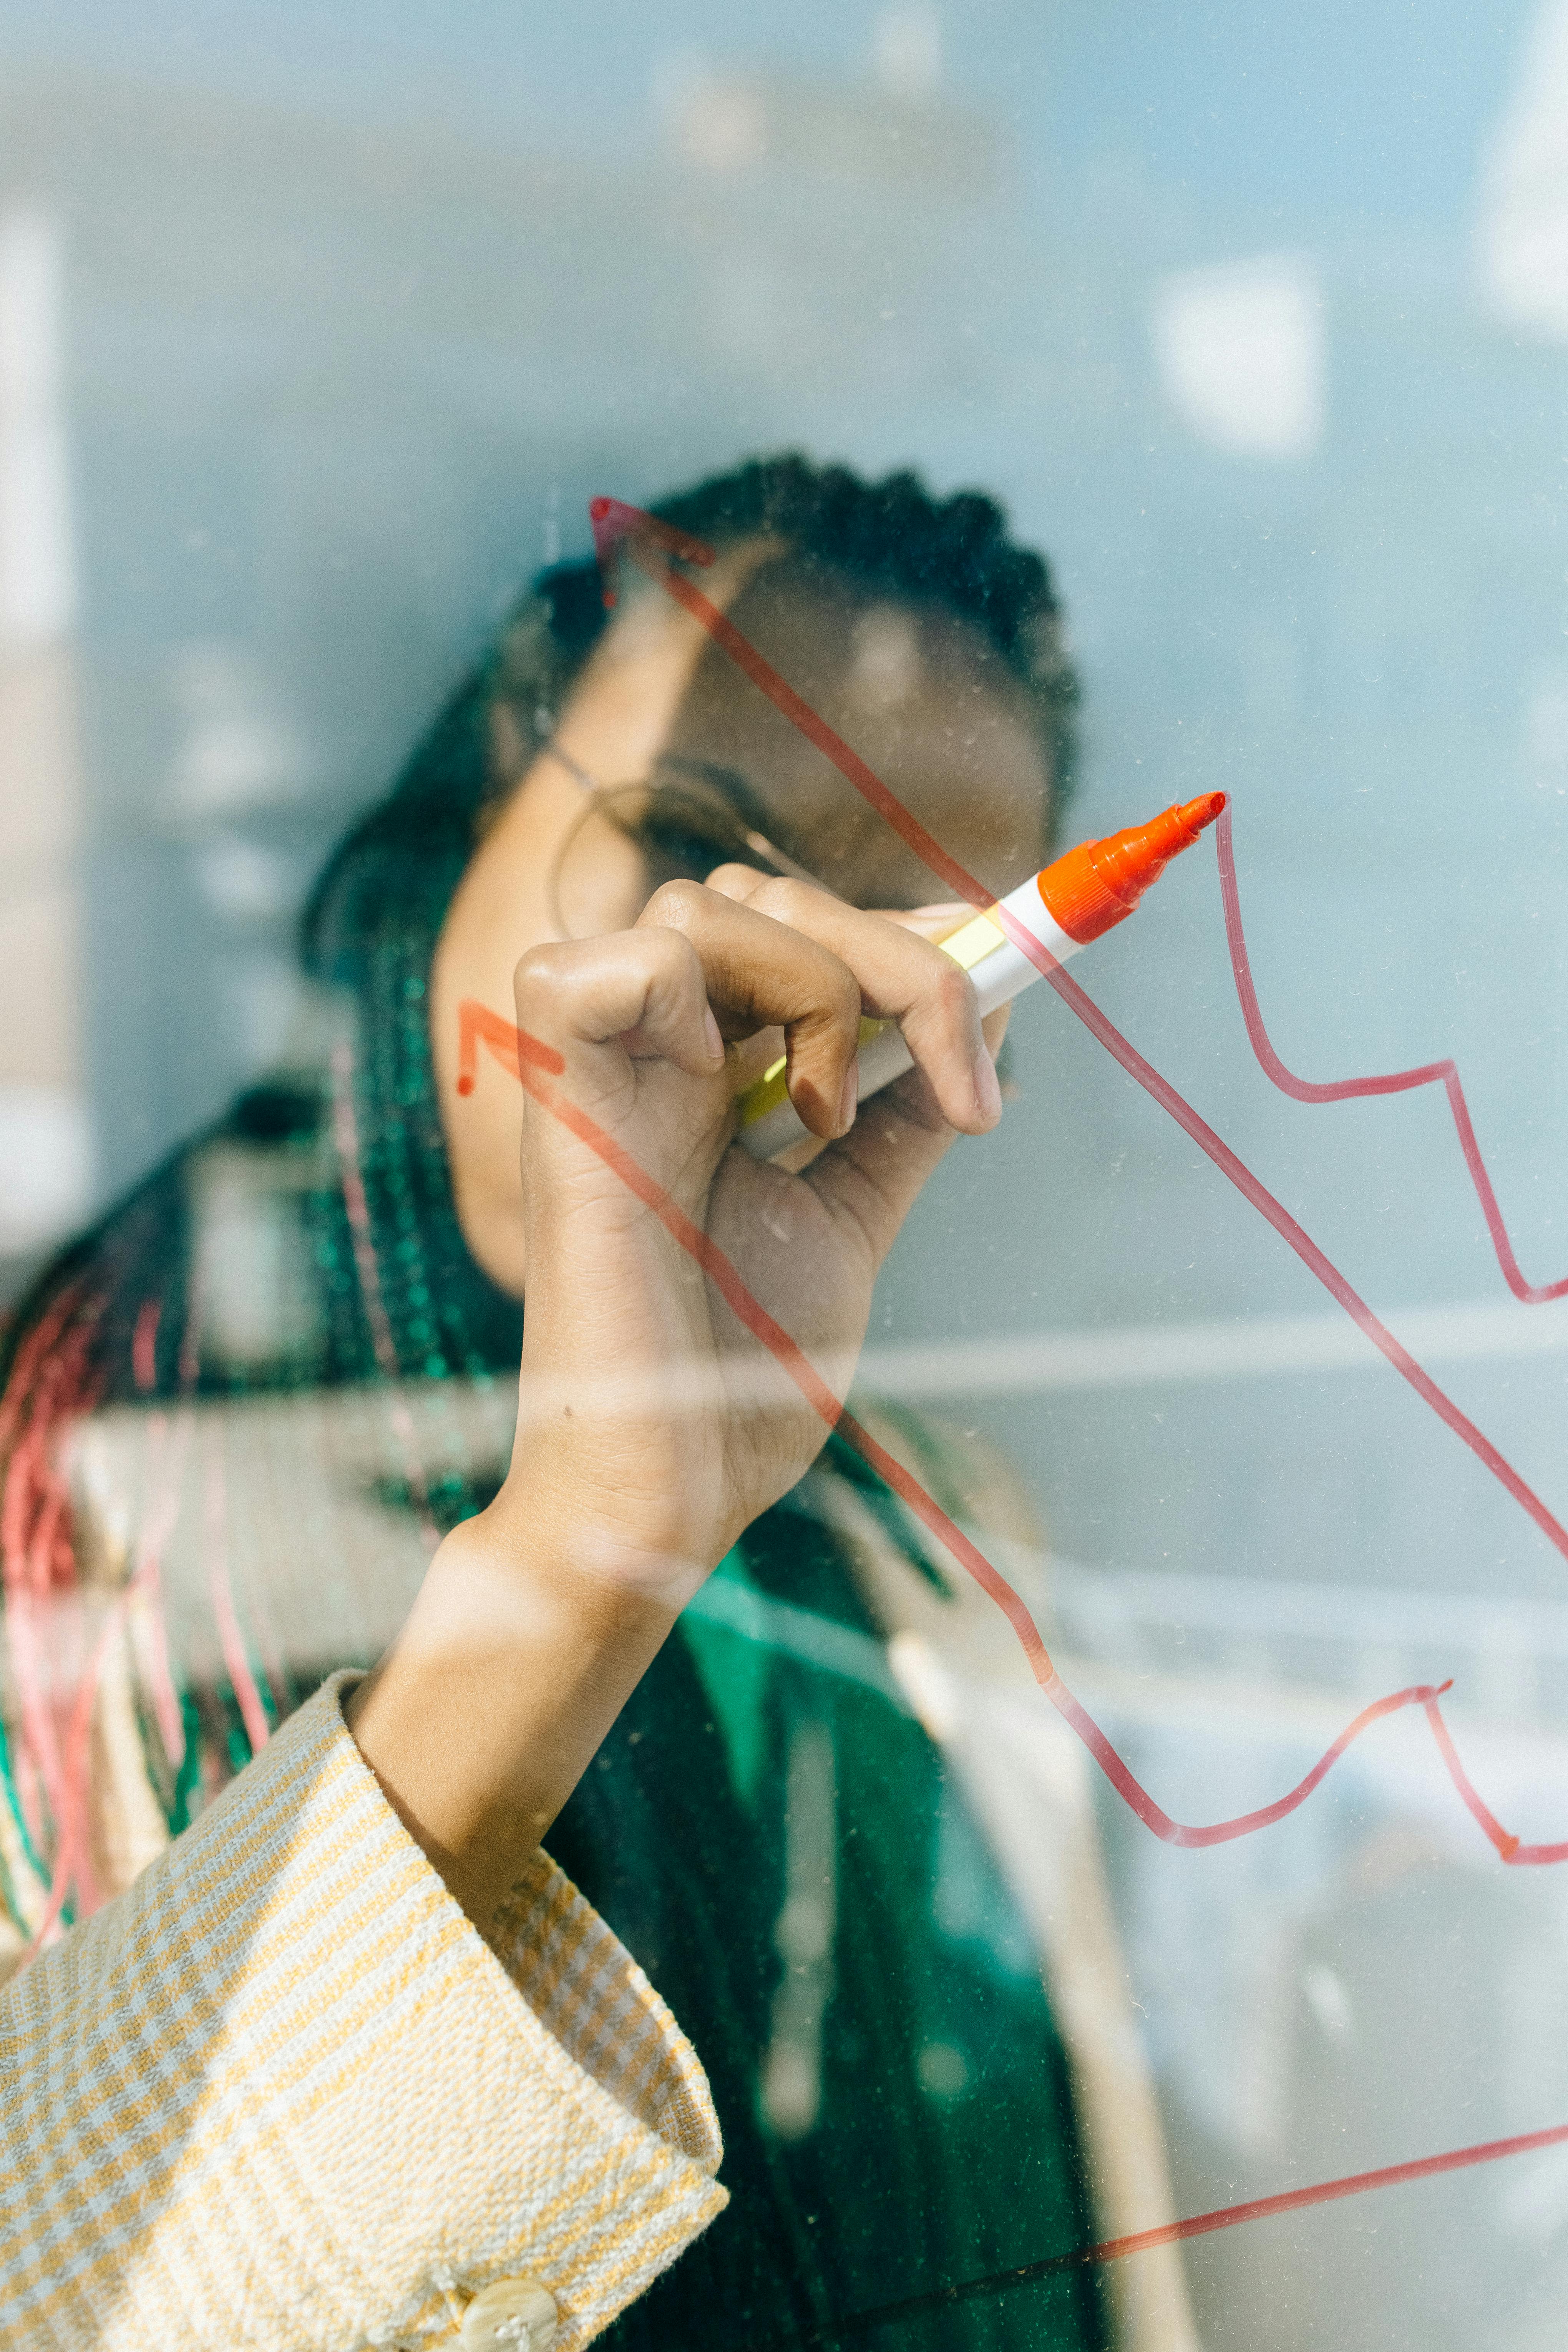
x: 312, y: 355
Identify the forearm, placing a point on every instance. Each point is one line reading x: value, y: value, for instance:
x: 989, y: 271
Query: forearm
x: 669, y: 1429
x: 512, y: 1666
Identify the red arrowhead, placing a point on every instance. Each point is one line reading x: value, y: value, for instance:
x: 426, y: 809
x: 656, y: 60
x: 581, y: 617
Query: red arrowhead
x: 477, y: 1025
x: 614, y: 521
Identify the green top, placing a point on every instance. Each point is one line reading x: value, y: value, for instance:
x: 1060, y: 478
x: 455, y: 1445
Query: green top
x: 829, y: 1925
x: 769, y: 1830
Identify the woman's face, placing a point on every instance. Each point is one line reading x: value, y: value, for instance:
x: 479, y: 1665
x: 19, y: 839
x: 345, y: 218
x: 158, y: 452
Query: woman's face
x: 920, y: 696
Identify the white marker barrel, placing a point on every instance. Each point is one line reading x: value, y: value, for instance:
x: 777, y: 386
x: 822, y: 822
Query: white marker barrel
x: 769, y: 1120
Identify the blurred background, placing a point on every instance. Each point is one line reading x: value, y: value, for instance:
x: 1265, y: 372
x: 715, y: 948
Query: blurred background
x: 316, y: 335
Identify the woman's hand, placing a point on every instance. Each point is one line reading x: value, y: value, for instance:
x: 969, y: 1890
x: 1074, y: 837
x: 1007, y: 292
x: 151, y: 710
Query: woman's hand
x: 651, y: 1419
x: 653, y: 1425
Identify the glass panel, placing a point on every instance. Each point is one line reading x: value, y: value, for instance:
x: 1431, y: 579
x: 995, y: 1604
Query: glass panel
x: 1245, y: 1376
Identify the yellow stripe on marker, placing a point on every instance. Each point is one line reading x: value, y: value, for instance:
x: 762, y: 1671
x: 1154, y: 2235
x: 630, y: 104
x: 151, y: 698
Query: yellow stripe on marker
x: 966, y: 946
x: 977, y: 938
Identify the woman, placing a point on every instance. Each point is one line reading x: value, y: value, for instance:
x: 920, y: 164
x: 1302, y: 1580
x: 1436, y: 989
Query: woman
x: 760, y: 1823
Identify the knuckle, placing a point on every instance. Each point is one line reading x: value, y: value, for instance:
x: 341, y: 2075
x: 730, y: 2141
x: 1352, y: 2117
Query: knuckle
x: 667, y: 964
x: 671, y: 955
x: 675, y: 906
x: 540, y: 968
x: 735, y: 879
x: 786, y: 901
x: 781, y: 900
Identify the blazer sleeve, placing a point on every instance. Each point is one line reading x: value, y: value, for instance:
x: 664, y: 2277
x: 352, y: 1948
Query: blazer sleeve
x: 282, y: 2094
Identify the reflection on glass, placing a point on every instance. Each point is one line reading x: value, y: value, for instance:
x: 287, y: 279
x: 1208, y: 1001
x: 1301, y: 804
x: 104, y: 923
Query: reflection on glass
x: 1259, y: 330
x: 677, y: 825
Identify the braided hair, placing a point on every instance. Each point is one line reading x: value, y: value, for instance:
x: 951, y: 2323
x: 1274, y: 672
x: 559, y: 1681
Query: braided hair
x: 889, y: 538
x: 679, y: 1833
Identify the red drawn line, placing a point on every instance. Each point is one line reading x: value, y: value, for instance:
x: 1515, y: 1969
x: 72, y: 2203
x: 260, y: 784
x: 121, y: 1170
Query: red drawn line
x: 1296, y: 1237
x: 1325, y: 2192
x: 478, y: 1025
x: 526, y: 1056
x: 1394, y: 1082
x: 616, y: 525
x: 613, y: 522
x: 1197, y: 2225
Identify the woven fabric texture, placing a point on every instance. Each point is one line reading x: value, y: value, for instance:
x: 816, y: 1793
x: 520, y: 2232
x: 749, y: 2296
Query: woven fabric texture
x: 281, y: 2095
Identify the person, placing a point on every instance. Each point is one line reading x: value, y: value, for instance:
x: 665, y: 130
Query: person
x: 644, y: 1635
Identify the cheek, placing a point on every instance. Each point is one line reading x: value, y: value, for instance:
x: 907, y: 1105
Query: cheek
x: 495, y: 1152
x: 600, y: 882
x: 484, y: 1141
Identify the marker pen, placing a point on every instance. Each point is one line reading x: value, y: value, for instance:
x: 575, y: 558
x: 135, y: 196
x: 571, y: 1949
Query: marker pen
x: 1082, y: 896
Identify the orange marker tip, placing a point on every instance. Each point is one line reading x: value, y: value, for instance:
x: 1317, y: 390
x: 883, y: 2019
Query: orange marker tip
x: 465, y: 1084
x: 1099, y: 883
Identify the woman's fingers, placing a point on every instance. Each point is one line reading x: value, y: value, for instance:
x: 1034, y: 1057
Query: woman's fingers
x: 762, y: 973
x: 696, y: 962
x: 645, y: 990
x: 752, y: 953
x: 900, y: 976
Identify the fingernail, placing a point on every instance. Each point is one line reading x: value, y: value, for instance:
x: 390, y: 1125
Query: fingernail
x: 848, y: 1100
x: 715, y: 1043
x: 987, y: 1091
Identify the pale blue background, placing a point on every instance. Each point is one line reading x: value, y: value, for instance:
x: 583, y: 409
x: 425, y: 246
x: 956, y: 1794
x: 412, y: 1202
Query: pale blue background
x: 362, y: 307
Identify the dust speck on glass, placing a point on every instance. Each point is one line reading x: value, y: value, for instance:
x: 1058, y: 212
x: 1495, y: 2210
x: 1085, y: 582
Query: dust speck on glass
x: 1206, y: 373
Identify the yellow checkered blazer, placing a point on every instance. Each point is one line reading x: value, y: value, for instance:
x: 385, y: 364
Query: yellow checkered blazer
x: 282, y: 2094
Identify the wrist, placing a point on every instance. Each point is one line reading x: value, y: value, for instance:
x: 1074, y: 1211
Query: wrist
x: 614, y: 1534
x: 517, y: 1582
x: 502, y: 1685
